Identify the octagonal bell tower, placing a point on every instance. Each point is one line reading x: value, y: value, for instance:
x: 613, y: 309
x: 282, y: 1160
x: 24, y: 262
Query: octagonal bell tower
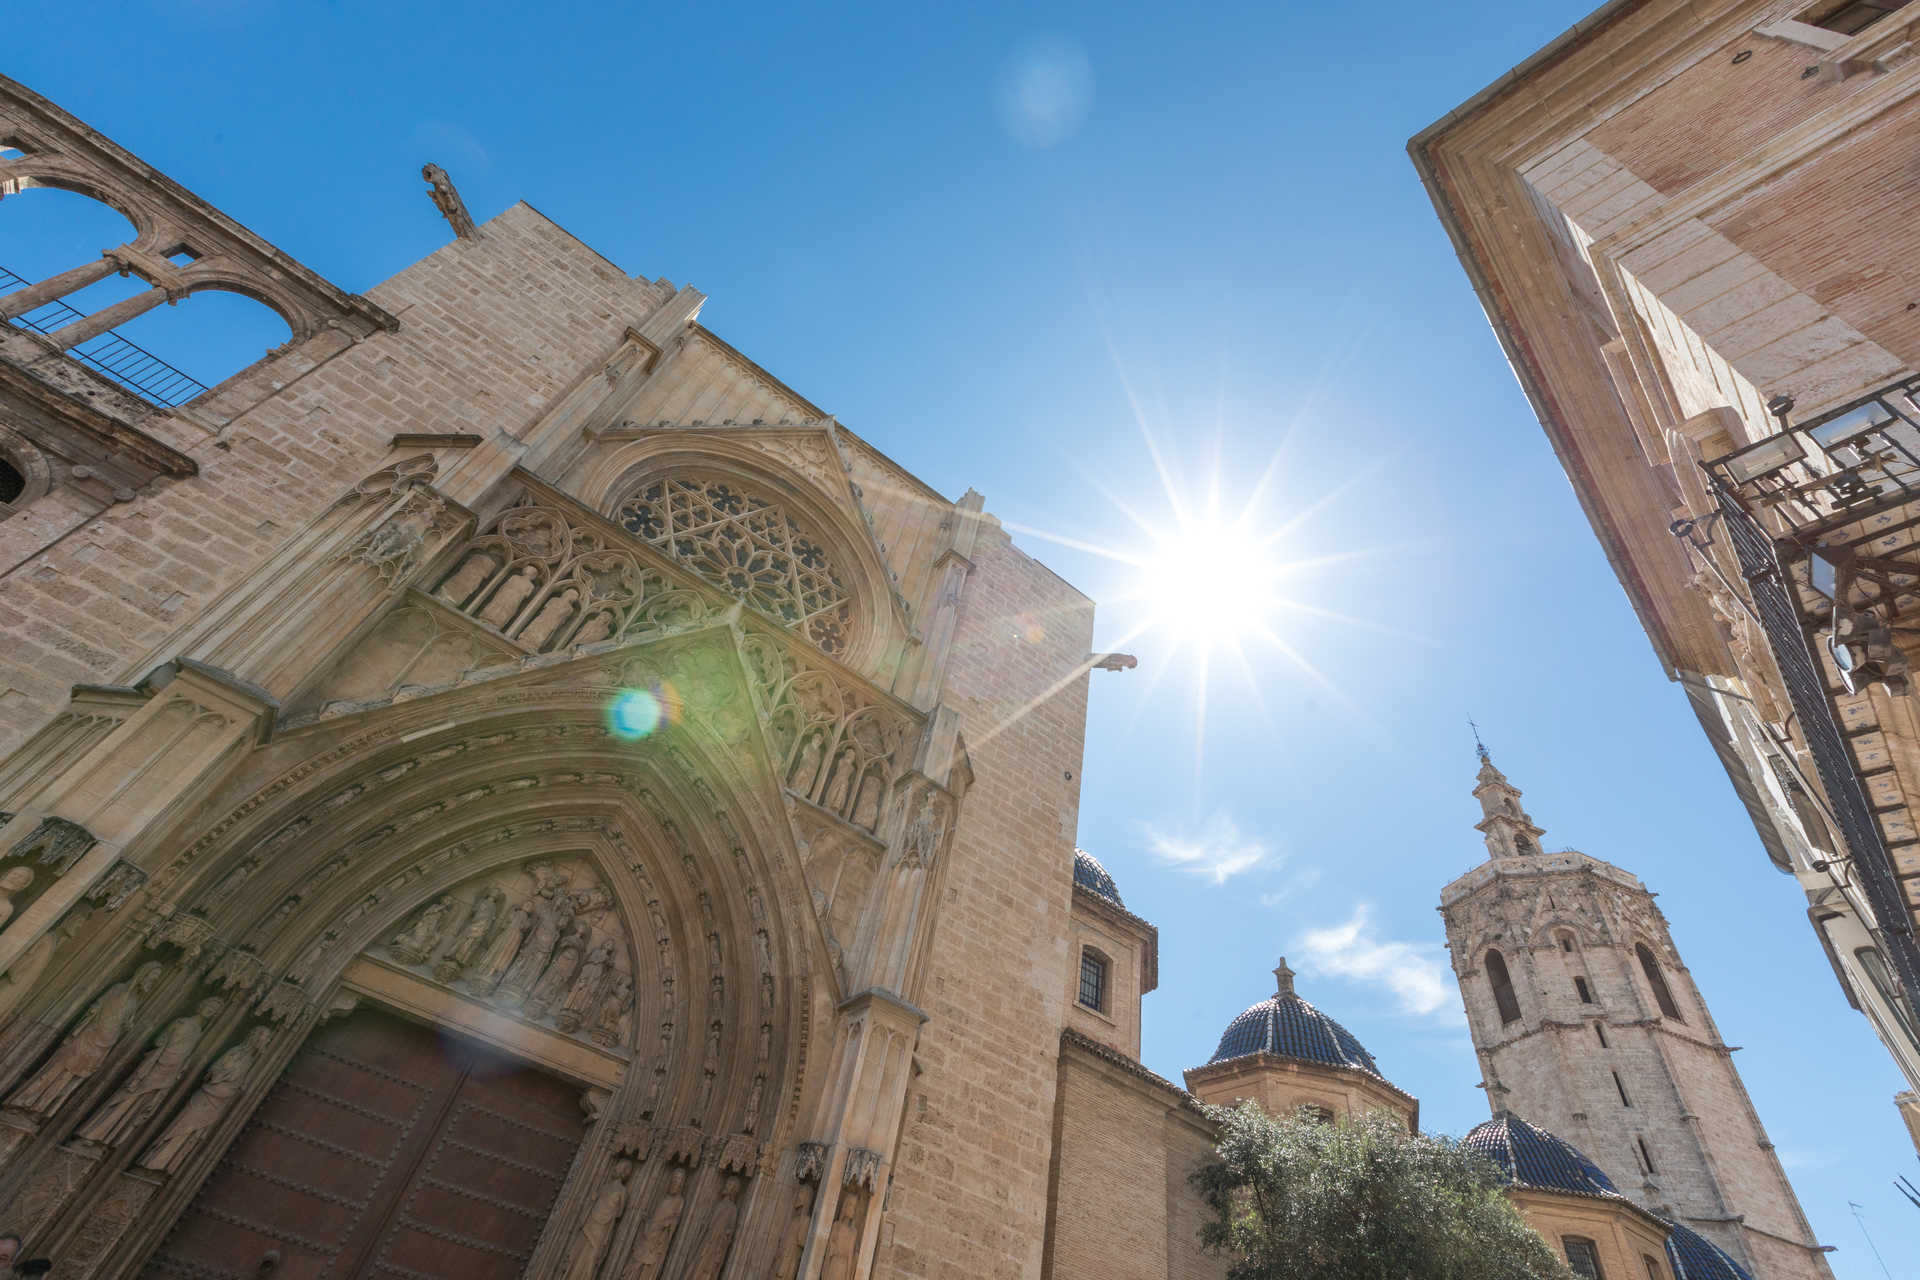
x: 1588, y: 1024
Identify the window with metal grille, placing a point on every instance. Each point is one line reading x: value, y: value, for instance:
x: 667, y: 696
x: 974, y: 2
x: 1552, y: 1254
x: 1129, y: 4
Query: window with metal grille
x: 1093, y: 981
x: 1582, y: 1257
x: 1657, y: 981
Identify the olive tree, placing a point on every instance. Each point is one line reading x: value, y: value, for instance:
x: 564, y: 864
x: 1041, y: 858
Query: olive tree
x: 1300, y: 1199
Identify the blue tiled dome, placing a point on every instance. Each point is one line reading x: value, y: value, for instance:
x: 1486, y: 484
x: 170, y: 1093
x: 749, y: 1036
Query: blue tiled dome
x: 1091, y: 876
x: 1286, y: 1025
x: 1531, y: 1157
x: 1694, y: 1257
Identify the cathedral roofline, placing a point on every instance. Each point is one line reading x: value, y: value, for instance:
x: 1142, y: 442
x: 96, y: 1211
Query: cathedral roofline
x: 1565, y: 862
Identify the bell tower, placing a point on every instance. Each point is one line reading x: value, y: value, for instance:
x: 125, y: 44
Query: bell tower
x: 1587, y: 1023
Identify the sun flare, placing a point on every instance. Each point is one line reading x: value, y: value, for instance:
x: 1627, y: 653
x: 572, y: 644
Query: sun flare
x: 1210, y: 581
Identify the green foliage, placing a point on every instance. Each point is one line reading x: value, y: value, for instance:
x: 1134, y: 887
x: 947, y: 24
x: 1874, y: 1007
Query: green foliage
x: 1361, y: 1200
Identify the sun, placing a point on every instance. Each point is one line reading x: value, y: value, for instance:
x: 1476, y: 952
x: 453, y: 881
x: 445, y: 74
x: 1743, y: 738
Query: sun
x: 1209, y: 581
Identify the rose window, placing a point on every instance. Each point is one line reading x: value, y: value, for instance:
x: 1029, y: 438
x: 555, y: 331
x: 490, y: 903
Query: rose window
x: 747, y: 546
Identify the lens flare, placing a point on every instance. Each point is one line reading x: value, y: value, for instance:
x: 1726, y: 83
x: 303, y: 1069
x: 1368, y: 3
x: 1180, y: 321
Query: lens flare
x: 635, y: 714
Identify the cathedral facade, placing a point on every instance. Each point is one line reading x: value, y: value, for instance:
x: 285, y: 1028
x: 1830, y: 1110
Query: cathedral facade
x: 507, y: 786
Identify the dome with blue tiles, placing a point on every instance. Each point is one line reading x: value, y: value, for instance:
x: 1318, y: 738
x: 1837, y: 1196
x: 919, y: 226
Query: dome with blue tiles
x: 1091, y: 876
x: 1532, y: 1157
x: 1694, y: 1257
x: 1285, y: 1025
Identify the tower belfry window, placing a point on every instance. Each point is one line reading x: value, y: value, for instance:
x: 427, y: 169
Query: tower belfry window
x: 1501, y: 981
x: 1657, y: 980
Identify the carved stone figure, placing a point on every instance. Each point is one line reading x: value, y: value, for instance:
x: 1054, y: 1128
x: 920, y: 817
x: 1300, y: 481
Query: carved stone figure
x: 552, y: 616
x: 473, y: 571
x: 717, y: 1241
x: 141, y: 1093
x: 585, y: 989
x: 87, y: 1044
x: 843, y: 1242
x: 505, y: 947
x: 557, y: 981
x: 473, y: 935
x: 552, y: 916
x: 20, y: 976
x: 591, y: 900
x: 16, y: 880
x: 590, y: 1246
x: 650, y: 1253
x: 420, y: 939
x: 799, y: 1227
x: 222, y: 1083
x: 615, y: 1021
x: 507, y: 600
x: 751, y: 1121
x: 594, y: 629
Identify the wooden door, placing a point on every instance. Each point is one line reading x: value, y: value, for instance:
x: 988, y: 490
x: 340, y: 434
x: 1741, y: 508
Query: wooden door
x: 386, y: 1150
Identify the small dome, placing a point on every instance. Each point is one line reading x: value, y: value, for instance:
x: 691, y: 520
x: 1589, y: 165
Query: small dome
x: 1288, y: 1026
x: 1531, y: 1157
x: 1694, y: 1257
x: 1091, y: 876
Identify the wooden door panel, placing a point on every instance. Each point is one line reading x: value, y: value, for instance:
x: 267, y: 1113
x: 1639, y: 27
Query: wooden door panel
x: 385, y: 1150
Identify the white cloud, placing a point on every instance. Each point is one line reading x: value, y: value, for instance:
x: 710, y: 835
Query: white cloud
x: 1413, y: 973
x: 1217, y: 850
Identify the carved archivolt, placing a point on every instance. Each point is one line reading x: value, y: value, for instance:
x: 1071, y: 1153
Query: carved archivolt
x: 550, y: 583
x: 749, y: 546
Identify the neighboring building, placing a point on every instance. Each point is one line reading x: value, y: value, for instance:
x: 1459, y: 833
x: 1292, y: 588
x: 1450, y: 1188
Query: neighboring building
x: 1586, y: 1020
x: 1691, y: 225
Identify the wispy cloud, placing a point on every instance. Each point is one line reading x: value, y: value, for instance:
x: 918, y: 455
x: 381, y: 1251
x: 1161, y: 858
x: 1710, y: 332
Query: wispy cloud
x: 1216, y: 850
x: 1413, y: 973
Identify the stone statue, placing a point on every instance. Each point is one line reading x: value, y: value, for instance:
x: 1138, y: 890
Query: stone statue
x: 417, y: 943
x: 552, y: 916
x: 474, y: 570
x: 16, y: 880
x: 843, y: 1242
x: 473, y: 935
x: 615, y: 1021
x: 141, y: 1093
x: 505, y: 947
x: 19, y: 978
x: 507, y: 600
x: 87, y: 1044
x: 594, y: 629
x: 650, y: 1254
x: 718, y: 1239
x: 806, y: 770
x: 751, y: 1121
x: 585, y: 989
x: 799, y: 1227
x: 558, y: 978
x: 552, y: 616
x: 590, y: 1245
x: 222, y: 1083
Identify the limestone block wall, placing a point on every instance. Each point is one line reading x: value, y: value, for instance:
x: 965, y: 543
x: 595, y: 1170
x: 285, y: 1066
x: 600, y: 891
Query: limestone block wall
x: 1124, y: 1142
x: 969, y: 1197
x: 491, y: 330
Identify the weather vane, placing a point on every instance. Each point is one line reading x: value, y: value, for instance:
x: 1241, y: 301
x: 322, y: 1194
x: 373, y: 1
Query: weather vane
x: 1478, y: 745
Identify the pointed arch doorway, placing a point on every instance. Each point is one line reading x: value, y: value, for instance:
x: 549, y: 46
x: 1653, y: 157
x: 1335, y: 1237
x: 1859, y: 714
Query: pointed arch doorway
x: 387, y: 1150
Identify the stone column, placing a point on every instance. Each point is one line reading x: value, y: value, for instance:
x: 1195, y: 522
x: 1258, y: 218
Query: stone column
x: 69, y: 336
x: 73, y: 279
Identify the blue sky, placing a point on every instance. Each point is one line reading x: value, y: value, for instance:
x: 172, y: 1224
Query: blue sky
x: 1197, y: 228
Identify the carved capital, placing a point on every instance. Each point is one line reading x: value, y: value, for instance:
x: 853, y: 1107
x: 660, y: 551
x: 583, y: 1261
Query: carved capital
x: 810, y: 1161
x: 282, y: 1002
x: 237, y: 971
x: 112, y: 890
x: 56, y: 844
x: 684, y: 1145
x: 738, y: 1154
x: 863, y: 1168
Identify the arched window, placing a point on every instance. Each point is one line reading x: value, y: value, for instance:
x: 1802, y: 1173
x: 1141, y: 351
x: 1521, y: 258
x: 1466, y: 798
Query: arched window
x: 1502, y: 983
x: 1093, y: 980
x: 1657, y: 981
x: 1582, y: 1257
x: 749, y: 546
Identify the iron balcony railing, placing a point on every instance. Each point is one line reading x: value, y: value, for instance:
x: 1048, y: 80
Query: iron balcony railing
x: 127, y: 363
x: 1824, y: 520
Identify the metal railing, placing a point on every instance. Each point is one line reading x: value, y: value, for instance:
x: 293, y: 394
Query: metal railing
x: 125, y: 362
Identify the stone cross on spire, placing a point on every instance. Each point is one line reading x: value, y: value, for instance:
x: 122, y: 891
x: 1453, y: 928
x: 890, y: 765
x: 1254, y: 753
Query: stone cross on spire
x: 1509, y: 831
x: 1283, y: 978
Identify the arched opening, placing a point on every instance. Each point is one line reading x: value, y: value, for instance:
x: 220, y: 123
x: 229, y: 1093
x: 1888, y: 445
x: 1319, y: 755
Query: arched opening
x: 12, y: 482
x: 1658, y: 981
x: 1501, y: 981
x: 48, y: 230
x: 194, y: 344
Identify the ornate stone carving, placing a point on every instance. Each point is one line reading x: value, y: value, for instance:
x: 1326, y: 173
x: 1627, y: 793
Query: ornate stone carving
x: 20, y: 976
x: 650, y: 1251
x: 393, y: 547
x: 422, y: 938
x: 12, y: 881
x: 282, y: 1002
x: 835, y: 742
x: 189, y: 933
x: 55, y: 844
x: 613, y: 1025
x: 237, y: 970
x: 218, y: 1088
x: 583, y: 995
x: 717, y: 1240
x: 446, y: 198
x: 799, y: 1227
x: 609, y: 1205
x: 863, y: 1168
x: 141, y: 1093
x: 86, y: 1045
x: 843, y: 1240
x: 112, y: 890
x: 810, y: 1161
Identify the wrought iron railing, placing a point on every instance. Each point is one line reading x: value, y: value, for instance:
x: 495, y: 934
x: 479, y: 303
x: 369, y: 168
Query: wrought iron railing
x: 127, y: 363
x: 1824, y: 520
